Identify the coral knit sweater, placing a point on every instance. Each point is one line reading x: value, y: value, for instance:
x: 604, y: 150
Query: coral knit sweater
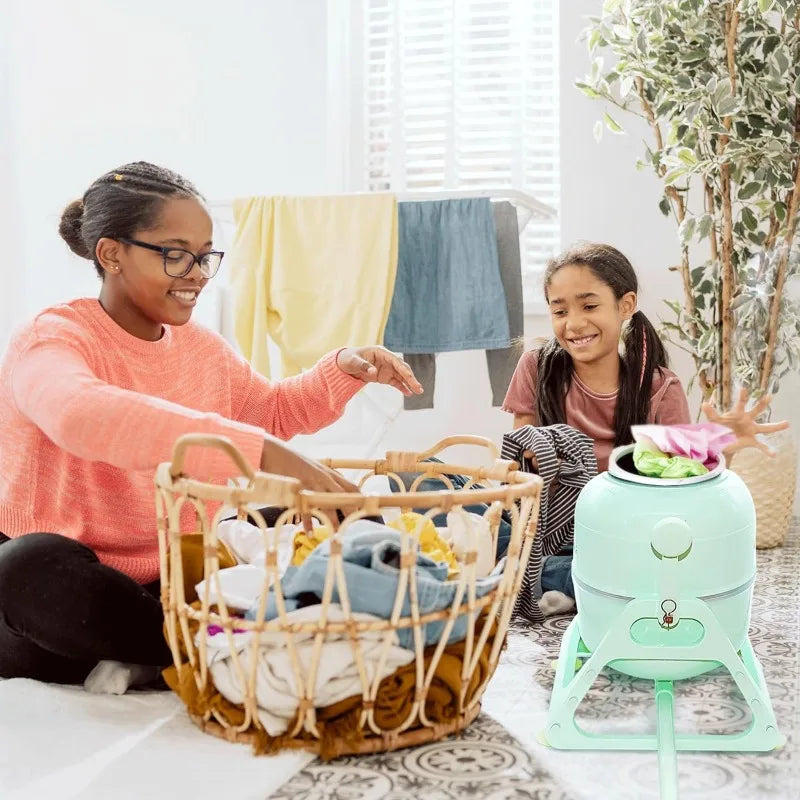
x: 88, y: 411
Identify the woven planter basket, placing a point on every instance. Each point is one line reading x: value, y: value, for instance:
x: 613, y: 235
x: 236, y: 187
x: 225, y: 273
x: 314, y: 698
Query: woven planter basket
x: 771, y: 481
x: 487, y: 616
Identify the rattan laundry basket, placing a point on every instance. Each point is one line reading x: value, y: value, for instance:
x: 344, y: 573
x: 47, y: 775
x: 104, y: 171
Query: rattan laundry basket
x: 361, y: 730
x: 771, y: 481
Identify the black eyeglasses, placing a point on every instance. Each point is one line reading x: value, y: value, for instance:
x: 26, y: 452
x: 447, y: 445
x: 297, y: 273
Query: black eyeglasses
x: 178, y: 263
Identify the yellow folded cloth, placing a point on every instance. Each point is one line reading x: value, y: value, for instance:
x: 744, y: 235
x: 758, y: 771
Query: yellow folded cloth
x: 304, y: 542
x: 429, y: 540
x: 312, y: 274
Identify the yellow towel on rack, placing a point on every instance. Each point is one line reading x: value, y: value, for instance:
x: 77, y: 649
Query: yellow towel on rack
x: 312, y: 274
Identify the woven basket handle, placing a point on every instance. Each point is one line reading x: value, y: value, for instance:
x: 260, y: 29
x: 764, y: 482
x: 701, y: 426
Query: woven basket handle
x: 452, y: 441
x: 203, y: 440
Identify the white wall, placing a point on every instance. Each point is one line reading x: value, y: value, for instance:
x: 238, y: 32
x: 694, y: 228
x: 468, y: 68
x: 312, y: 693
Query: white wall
x: 231, y: 95
x: 603, y: 197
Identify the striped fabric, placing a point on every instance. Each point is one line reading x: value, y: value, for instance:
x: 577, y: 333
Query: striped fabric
x: 566, y: 462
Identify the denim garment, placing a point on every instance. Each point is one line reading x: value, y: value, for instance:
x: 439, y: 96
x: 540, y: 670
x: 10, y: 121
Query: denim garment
x: 371, y: 559
x: 501, y: 363
x: 557, y: 574
x: 448, y: 293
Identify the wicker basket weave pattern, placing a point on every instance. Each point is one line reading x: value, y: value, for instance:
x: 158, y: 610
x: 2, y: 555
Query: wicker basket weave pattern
x: 504, y: 488
x: 772, y: 482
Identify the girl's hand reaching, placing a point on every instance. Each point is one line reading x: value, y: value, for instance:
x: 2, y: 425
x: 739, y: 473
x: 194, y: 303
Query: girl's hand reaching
x: 743, y: 423
x: 378, y: 365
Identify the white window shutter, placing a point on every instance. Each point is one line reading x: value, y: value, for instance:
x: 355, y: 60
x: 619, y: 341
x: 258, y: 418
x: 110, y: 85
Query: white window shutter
x: 461, y: 95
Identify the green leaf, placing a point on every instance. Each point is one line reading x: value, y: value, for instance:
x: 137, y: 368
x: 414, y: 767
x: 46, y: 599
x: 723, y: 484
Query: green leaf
x: 686, y: 229
x: 780, y: 211
x: 694, y: 56
x: 690, y: 112
x: 589, y: 91
x: 611, y: 124
x: 749, y: 219
x: 781, y: 62
x: 610, y: 6
x: 687, y: 156
x: 765, y: 5
x: 770, y: 43
x: 704, y: 227
x: 664, y: 206
x: 665, y: 107
x: 749, y: 190
x: 724, y: 89
x: 776, y: 85
x: 797, y: 85
x: 727, y: 106
x: 674, y: 174
x: 697, y: 275
x: 683, y: 81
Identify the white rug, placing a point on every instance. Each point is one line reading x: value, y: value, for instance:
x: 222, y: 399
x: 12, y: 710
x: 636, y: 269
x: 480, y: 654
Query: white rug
x: 60, y: 743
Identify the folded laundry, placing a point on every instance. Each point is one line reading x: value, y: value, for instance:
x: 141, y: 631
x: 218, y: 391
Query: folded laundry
x: 284, y: 675
x: 430, y: 542
x: 371, y: 558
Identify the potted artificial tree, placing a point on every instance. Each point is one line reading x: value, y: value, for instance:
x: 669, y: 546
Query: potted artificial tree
x: 718, y: 84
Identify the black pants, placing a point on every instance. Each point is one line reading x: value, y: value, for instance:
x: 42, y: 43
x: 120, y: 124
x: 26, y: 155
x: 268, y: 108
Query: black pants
x: 62, y: 611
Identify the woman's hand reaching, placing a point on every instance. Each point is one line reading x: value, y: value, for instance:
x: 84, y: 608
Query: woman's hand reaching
x: 279, y: 459
x: 379, y: 365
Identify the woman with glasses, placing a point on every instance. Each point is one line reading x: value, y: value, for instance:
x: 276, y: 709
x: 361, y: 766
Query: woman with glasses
x: 94, y: 394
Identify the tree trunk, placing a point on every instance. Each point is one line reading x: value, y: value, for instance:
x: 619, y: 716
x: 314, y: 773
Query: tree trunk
x: 780, y: 278
x: 728, y: 277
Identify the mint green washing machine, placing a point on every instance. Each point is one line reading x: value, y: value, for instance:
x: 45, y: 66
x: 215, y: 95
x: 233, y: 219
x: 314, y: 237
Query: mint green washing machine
x: 663, y: 573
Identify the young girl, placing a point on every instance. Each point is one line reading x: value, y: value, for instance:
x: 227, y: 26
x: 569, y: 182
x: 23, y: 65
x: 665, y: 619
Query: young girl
x: 580, y: 378
x: 94, y: 394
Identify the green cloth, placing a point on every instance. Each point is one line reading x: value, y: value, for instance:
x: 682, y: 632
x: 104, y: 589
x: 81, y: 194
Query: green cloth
x: 654, y: 463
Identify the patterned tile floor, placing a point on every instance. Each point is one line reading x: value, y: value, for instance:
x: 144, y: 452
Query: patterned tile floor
x: 500, y: 758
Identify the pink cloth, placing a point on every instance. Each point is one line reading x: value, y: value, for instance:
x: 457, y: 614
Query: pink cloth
x: 88, y: 411
x: 703, y: 442
x: 592, y: 413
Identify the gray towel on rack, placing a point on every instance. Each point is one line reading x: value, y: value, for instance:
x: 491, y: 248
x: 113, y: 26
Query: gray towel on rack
x: 566, y: 463
x: 448, y: 293
x: 501, y: 362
